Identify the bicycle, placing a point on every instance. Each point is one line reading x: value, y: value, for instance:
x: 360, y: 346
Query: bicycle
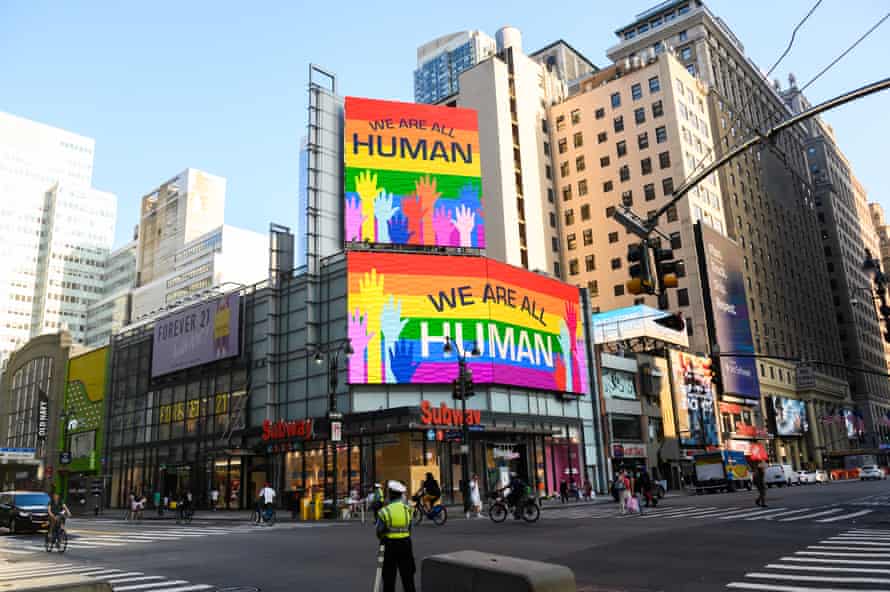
x: 438, y: 514
x: 57, y: 537
x: 266, y: 516
x: 528, y: 509
x: 184, y: 514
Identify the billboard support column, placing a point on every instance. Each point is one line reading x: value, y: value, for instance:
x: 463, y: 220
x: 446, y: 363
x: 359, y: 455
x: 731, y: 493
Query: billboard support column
x: 593, y: 380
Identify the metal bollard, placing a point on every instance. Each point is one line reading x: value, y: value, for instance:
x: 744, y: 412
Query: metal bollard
x: 378, y: 577
x: 472, y: 571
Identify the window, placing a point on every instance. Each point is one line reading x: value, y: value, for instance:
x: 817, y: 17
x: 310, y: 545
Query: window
x: 552, y: 220
x: 570, y: 217
x: 599, y: 113
x: 646, y: 166
x: 589, y: 263
x: 547, y: 148
x: 649, y: 191
x: 585, y: 212
x: 619, y: 291
x: 654, y: 85
x: 604, y: 161
x: 667, y: 186
x: 576, y: 116
x: 686, y: 54
x: 554, y: 244
x: 672, y: 214
x: 640, y: 115
x: 607, y: 187
x: 578, y: 139
x: 616, y: 263
x: 579, y: 164
x: 643, y: 140
x: 661, y: 135
x: 613, y: 237
x: 621, y: 148
x: 571, y: 242
x: 562, y: 146
x: 556, y: 269
x: 567, y: 193
x: 636, y: 92
x: 627, y: 198
x: 550, y: 194
x: 601, y: 137
x: 548, y: 172
x: 683, y: 297
x: 593, y: 288
x: 624, y: 173
x: 657, y: 109
x: 664, y: 159
x: 676, y: 241
x: 560, y: 122
x: 564, y: 169
x: 573, y: 267
x: 582, y: 187
x: 618, y: 124
x: 683, y: 36
x: 587, y: 237
x: 691, y: 69
x: 616, y: 100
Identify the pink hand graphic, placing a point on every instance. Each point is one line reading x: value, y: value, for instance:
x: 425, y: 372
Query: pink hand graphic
x: 357, y: 329
x: 580, y: 364
x: 572, y: 325
x: 354, y: 219
x: 464, y: 221
x: 442, y: 227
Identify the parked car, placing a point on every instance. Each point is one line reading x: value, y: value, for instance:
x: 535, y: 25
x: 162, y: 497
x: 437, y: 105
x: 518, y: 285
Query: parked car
x: 780, y: 475
x: 806, y: 477
x: 871, y: 472
x: 24, y: 511
x: 822, y: 476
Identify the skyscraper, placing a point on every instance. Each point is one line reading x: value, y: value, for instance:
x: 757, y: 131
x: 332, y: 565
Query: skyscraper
x: 441, y: 61
x: 55, y: 231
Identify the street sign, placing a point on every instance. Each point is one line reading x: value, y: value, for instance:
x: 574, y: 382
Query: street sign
x: 17, y: 453
x: 65, y: 458
x: 42, y: 417
x: 431, y: 435
x: 336, y: 431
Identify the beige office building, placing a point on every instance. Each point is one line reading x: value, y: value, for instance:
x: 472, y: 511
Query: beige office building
x: 634, y: 132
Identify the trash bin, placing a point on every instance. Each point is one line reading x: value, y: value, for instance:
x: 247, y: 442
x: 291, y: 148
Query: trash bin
x: 318, y: 498
x: 305, y: 509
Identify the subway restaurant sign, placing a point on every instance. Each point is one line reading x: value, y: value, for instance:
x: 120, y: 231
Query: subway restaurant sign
x: 443, y: 415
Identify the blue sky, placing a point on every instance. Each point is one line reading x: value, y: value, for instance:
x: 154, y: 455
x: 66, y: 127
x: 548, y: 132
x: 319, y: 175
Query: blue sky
x: 162, y: 86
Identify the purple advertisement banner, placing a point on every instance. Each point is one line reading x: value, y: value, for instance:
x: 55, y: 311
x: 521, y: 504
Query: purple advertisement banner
x: 203, y: 333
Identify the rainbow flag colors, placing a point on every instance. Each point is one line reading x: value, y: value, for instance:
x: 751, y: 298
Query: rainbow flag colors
x: 413, y: 174
x: 401, y: 308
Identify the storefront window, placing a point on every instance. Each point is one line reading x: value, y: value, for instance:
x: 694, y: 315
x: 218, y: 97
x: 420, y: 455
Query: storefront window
x: 626, y: 427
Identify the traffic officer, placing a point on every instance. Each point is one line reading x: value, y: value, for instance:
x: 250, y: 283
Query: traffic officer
x: 394, y: 532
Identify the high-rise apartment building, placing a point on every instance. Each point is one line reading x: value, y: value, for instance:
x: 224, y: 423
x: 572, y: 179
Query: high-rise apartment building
x: 883, y: 232
x: 566, y: 62
x: 55, y: 231
x: 441, y: 61
x: 769, y: 205
x: 173, y: 214
x: 633, y: 133
x: 113, y: 311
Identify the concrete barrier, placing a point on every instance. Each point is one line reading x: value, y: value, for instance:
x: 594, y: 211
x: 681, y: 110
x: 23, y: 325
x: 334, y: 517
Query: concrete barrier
x: 73, y: 583
x: 473, y: 571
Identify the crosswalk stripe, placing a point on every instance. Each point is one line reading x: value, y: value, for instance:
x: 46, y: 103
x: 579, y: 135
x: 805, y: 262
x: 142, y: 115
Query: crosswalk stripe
x: 837, y: 561
x: 147, y: 586
x: 698, y: 513
x: 778, y: 588
x: 859, y: 543
x: 44, y: 572
x: 829, y: 554
x: 136, y: 579
x: 788, y: 513
x: 846, y: 516
x: 676, y: 512
x: 837, y: 548
x: 835, y: 579
x: 827, y: 569
x: 177, y: 589
x: 118, y: 575
x: 806, y: 516
x: 16, y: 552
x: 753, y: 513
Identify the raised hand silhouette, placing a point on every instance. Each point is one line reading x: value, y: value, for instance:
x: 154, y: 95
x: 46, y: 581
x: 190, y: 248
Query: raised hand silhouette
x: 415, y: 212
x: 357, y: 330
x: 366, y: 187
x: 572, y: 325
x: 565, y: 343
x: 559, y: 373
x: 391, y: 324
x: 580, y: 358
x: 443, y: 226
x: 354, y: 219
x: 425, y: 188
x: 464, y: 220
x: 370, y: 301
x: 401, y: 359
x: 399, y: 233
x: 383, y: 211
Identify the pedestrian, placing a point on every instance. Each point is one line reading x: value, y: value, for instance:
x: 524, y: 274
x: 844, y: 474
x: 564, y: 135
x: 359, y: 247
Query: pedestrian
x: 646, y: 487
x: 377, y: 500
x: 760, y: 484
x: 156, y: 499
x: 621, y: 486
x: 475, y: 498
x: 563, y: 491
x: 394, y: 531
x: 214, y: 498
x: 588, y: 490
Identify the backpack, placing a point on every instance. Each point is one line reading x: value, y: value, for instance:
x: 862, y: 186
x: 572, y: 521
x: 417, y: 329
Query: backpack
x: 618, y: 484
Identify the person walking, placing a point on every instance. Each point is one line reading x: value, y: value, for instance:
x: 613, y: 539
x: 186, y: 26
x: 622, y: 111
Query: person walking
x: 760, y: 484
x: 214, y: 498
x: 563, y: 491
x: 475, y: 498
x: 394, y: 531
x: 645, y: 485
x: 588, y: 491
x: 621, y: 486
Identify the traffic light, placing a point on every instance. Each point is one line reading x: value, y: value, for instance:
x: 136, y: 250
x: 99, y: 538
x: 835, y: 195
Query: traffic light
x: 674, y: 321
x: 641, y: 281
x: 468, y: 384
x: 713, y: 366
x: 467, y: 391
x: 456, y: 392
x: 668, y: 270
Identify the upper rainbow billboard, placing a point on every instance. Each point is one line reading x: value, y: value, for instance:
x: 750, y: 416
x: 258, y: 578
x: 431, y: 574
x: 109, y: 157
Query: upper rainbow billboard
x: 412, y: 174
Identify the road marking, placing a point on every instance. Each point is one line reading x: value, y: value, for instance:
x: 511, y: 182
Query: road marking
x: 147, y: 586
x: 136, y: 579
x: 839, y: 561
x: 700, y: 513
x: 177, y: 589
x: 842, y: 554
x: 834, y: 579
x: 822, y: 568
x: 860, y: 542
x: 676, y: 511
x: 846, y: 516
x: 806, y: 516
x: 118, y: 575
x: 789, y: 513
x: 836, y: 548
x: 778, y: 588
x: 753, y: 513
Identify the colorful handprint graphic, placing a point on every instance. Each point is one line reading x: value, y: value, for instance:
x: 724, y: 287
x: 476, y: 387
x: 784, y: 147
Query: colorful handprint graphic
x: 371, y: 300
x: 357, y: 330
x: 391, y: 324
x: 383, y: 212
x: 367, y: 190
x: 354, y: 219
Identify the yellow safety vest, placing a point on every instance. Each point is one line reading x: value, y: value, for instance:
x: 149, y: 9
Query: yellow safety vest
x: 397, y: 519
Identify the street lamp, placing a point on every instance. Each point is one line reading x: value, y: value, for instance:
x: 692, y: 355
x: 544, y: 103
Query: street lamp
x: 464, y: 379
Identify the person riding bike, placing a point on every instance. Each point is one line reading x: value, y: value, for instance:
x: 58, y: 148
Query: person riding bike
x: 517, y: 489
x: 185, y: 506
x: 430, y: 492
x: 265, y: 499
x: 57, y: 511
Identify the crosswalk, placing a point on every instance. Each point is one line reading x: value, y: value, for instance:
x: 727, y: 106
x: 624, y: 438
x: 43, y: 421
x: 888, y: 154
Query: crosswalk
x: 13, y: 575
x: 881, y: 500
x: 847, y: 561
x: 818, y: 514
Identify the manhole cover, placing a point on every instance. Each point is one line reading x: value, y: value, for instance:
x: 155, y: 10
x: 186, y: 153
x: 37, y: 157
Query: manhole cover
x: 238, y: 589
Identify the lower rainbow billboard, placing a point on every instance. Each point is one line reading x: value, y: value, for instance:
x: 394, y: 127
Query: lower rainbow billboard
x: 401, y: 307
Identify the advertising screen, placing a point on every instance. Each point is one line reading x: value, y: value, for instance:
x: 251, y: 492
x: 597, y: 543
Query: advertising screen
x: 791, y: 416
x: 401, y: 307
x: 728, y: 310
x: 202, y: 333
x: 412, y: 174
x: 694, y: 400
x: 85, y: 403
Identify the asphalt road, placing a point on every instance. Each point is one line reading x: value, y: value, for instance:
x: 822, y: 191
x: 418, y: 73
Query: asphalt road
x: 807, y: 540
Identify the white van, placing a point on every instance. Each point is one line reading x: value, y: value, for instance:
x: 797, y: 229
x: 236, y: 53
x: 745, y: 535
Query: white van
x: 780, y: 475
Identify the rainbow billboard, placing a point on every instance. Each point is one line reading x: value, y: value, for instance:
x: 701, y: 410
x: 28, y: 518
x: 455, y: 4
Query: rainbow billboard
x: 401, y: 307
x: 412, y: 174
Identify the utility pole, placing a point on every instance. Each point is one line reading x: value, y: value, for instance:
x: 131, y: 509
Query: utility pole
x: 462, y: 389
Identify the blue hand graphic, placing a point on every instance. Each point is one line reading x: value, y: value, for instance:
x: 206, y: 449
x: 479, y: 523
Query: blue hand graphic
x: 399, y: 232
x: 469, y: 196
x: 391, y: 325
x: 401, y: 360
x: 383, y: 211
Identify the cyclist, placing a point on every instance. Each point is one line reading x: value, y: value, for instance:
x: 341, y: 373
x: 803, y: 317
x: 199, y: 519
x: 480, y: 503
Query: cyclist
x: 57, y: 511
x: 430, y: 492
x: 517, y: 489
x: 266, y: 497
x: 185, y: 506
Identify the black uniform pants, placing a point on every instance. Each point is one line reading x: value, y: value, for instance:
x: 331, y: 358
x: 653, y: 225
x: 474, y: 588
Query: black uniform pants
x: 398, y: 554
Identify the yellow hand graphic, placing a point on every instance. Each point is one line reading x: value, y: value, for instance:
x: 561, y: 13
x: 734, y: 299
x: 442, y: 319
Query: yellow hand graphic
x: 370, y: 301
x: 366, y: 187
